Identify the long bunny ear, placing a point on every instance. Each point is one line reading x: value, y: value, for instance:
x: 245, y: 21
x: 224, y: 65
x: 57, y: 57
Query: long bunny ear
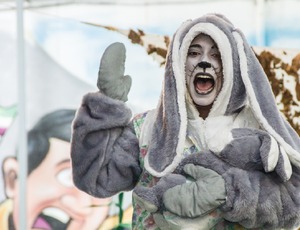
x: 263, y: 104
x: 169, y: 122
x: 168, y: 128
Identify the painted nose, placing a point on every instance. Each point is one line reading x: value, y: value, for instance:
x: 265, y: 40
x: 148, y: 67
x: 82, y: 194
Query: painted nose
x: 204, y: 65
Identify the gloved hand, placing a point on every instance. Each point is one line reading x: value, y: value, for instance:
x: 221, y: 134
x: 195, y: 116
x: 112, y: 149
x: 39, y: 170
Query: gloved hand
x: 150, y: 198
x: 203, y: 195
x: 111, y: 79
x: 170, y: 221
x: 253, y: 193
x: 256, y: 149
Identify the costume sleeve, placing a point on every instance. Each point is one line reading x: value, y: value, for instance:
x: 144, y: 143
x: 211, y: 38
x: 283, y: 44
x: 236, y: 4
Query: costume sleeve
x: 104, y: 148
x: 255, y: 199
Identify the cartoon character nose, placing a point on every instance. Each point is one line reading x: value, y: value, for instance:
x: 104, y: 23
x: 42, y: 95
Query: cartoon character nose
x: 204, y: 65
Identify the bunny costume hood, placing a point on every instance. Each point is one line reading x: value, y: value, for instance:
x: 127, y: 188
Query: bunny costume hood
x: 245, y: 85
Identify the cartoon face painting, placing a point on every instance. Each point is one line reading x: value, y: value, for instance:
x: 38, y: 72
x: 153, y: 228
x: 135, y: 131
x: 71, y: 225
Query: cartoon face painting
x: 53, y: 201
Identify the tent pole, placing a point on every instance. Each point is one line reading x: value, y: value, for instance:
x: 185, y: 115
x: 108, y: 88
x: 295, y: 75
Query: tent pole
x: 22, y: 149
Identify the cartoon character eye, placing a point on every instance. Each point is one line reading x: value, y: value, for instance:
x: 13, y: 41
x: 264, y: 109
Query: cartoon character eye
x: 65, y: 177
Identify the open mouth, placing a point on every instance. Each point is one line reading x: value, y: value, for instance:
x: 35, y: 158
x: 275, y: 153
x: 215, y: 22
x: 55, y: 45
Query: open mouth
x: 52, y: 219
x: 204, y: 83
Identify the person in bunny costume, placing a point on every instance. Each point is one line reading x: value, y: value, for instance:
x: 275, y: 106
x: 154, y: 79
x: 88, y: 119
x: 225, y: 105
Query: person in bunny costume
x: 215, y: 153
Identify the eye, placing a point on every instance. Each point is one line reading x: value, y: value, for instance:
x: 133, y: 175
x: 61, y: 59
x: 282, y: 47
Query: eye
x: 193, y: 53
x: 216, y: 56
x: 65, y: 177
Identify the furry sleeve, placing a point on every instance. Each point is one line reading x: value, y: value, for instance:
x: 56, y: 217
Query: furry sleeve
x: 104, y: 148
x: 255, y: 199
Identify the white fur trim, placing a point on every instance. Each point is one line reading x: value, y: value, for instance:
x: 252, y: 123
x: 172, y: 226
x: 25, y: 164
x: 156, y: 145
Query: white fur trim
x: 286, y: 163
x: 273, y: 155
x: 292, y: 154
x: 246, y: 119
x: 218, y: 138
x: 219, y: 106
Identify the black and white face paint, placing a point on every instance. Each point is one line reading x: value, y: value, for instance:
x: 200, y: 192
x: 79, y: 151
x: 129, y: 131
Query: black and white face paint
x: 203, y: 70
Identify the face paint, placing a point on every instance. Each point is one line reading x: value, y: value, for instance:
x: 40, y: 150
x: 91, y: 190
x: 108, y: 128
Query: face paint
x: 203, y: 70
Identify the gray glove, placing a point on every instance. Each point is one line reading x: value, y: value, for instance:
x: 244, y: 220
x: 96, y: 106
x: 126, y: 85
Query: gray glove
x: 150, y: 199
x: 111, y: 79
x: 197, y: 198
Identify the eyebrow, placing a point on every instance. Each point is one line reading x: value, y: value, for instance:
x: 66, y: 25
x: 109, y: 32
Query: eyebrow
x: 200, y: 47
x: 195, y: 46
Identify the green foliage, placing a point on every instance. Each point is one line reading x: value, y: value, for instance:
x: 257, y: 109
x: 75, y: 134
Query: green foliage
x: 121, y: 226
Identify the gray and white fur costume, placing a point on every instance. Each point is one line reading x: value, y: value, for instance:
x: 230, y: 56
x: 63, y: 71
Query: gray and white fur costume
x: 244, y: 139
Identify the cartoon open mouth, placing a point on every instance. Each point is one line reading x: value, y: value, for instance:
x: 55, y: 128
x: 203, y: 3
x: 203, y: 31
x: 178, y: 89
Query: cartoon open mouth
x: 204, y: 83
x: 52, y: 219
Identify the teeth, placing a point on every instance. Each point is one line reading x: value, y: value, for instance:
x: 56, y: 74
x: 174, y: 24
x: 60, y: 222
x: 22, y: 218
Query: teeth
x: 57, y: 214
x: 204, y: 76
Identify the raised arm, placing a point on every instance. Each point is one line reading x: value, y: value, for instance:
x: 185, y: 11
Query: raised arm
x: 104, y: 148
